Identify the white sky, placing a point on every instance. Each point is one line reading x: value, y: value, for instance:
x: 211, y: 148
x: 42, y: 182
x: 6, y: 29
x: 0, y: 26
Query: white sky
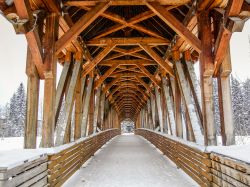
x: 13, y: 58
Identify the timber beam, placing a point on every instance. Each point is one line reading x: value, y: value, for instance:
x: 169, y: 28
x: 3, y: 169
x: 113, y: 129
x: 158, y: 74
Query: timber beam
x: 175, y: 24
x: 80, y: 25
x: 83, y: 3
x: 127, y: 41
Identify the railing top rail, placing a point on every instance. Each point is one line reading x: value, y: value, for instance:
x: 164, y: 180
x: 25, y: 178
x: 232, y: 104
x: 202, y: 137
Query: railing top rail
x: 13, y: 158
x: 238, y: 153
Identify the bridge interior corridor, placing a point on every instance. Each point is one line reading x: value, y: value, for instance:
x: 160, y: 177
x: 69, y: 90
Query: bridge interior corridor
x: 129, y: 160
x: 128, y: 60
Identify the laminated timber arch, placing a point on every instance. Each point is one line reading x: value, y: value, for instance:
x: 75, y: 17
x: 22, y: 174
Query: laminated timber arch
x: 128, y: 59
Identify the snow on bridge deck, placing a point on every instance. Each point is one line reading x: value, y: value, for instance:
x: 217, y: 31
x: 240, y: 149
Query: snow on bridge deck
x: 129, y: 161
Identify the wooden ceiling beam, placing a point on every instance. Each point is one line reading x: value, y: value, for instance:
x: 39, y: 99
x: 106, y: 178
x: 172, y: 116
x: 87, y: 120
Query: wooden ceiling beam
x: 34, y: 43
x: 123, y: 52
x: 80, y: 25
x: 128, y: 94
x: 127, y: 70
x: 79, y: 3
x: 127, y: 41
x: 143, y: 83
x: 176, y: 25
x: 152, y: 78
x: 108, y: 86
x: 158, y: 59
x: 88, y: 67
x: 106, y: 74
x: 128, y: 99
x: 132, y: 93
x: 224, y: 35
x: 127, y: 62
x: 128, y: 74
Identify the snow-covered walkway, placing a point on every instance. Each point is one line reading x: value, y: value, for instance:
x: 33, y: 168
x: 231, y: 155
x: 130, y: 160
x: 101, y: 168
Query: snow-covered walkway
x: 129, y: 161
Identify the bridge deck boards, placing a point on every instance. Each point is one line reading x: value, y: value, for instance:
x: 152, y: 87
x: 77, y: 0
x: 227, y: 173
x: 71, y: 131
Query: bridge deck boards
x: 129, y: 161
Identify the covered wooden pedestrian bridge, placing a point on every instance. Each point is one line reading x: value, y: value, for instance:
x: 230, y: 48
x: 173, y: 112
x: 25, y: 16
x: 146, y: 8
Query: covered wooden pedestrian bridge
x: 128, y: 59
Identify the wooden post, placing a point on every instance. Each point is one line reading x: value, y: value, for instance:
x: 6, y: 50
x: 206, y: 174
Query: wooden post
x: 225, y: 98
x: 158, y: 104
x: 179, y: 129
x: 165, y: 87
x: 206, y: 72
x: 51, y: 33
x: 149, y: 115
x: 32, y: 103
x: 79, y: 105
x: 90, y: 127
x: 98, y: 94
x: 62, y: 84
x: 86, y: 107
x: 189, y: 129
x: 178, y: 119
x: 186, y: 91
x: 164, y: 111
x: 102, y: 108
x: 64, y: 128
x: 194, y: 84
x: 152, y: 100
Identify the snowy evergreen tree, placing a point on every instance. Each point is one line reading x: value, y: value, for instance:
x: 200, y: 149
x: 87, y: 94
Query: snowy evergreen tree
x: 246, y: 106
x: 216, y: 107
x: 21, y: 109
x: 13, y: 117
x: 15, y: 114
x: 237, y: 103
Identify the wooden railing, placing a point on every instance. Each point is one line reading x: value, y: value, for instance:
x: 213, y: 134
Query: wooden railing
x: 53, y: 166
x: 229, y: 172
x: 27, y: 173
x: 64, y: 163
x: 205, y: 167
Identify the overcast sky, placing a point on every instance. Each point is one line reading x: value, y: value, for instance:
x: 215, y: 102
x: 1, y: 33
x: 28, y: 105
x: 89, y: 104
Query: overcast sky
x: 13, y: 58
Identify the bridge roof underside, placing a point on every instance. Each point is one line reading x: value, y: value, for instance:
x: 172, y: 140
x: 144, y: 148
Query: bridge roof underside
x: 128, y: 42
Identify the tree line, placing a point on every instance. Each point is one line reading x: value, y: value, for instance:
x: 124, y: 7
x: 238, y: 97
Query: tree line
x: 13, y: 114
x: 240, y: 91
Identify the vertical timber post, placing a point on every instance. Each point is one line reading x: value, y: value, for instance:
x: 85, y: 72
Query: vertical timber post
x: 152, y: 100
x: 96, y: 112
x: 51, y: 34
x: 86, y: 107
x: 102, y: 108
x: 165, y: 87
x: 206, y: 72
x: 32, y: 103
x: 225, y: 104
x: 158, y: 103
x: 79, y: 106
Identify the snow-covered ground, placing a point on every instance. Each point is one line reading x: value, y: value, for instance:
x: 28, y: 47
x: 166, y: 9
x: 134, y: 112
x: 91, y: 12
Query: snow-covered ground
x: 239, y: 140
x: 129, y: 161
x: 12, y: 143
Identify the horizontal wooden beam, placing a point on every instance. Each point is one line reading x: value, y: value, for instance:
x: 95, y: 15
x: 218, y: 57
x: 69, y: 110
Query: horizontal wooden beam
x: 34, y: 43
x: 176, y: 25
x: 150, y: 76
x: 88, y: 67
x: 107, y: 73
x: 127, y: 41
x: 81, y: 3
x: 80, y: 25
x: 127, y: 62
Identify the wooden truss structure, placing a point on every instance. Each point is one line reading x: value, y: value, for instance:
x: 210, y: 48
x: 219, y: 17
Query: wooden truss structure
x: 128, y: 59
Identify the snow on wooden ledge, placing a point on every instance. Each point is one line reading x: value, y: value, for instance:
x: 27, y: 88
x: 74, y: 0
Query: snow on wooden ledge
x: 237, y: 152
x: 13, y: 158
